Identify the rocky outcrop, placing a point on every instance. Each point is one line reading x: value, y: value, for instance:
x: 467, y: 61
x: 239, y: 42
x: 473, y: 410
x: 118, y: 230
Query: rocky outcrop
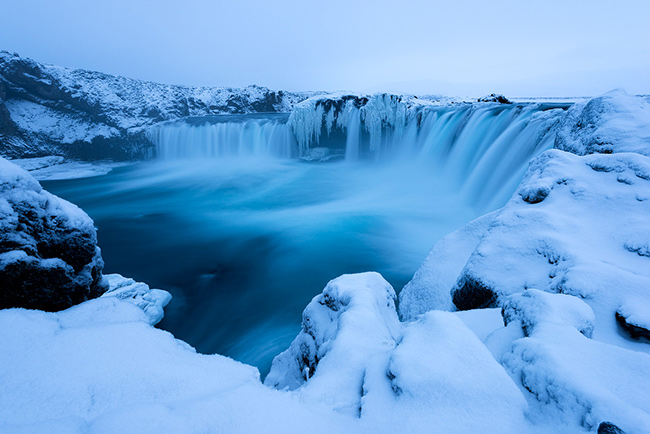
x: 495, y: 97
x: 49, y: 258
x: 47, y: 110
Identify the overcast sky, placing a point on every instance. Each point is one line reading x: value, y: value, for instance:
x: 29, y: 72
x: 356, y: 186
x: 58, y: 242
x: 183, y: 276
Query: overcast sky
x: 457, y: 47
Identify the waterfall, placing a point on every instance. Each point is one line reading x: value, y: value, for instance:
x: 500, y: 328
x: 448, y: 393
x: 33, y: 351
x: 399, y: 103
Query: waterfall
x: 224, y: 136
x: 485, y: 148
x: 353, y: 138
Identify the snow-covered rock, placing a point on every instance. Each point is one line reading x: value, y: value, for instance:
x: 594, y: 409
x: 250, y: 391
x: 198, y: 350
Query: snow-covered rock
x: 430, y: 287
x: 151, y: 301
x: 534, y: 307
x: 634, y: 317
x: 46, y: 109
x: 351, y: 323
x: 49, y: 257
x: 495, y: 97
x: 614, y: 122
x: 576, y: 381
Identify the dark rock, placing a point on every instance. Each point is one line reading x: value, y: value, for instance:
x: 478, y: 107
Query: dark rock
x: 535, y: 195
x: 49, y: 258
x: 609, y: 428
x: 634, y: 331
x: 470, y: 293
x: 495, y: 97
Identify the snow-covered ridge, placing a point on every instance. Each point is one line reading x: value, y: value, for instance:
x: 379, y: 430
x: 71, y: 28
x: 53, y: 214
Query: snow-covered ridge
x: 46, y: 109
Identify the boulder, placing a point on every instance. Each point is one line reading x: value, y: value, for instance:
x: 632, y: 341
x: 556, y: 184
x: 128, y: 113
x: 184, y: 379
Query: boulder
x: 49, y: 257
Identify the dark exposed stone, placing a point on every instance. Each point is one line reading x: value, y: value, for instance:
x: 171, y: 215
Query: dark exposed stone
x: 634, y: 331
x: 471, y: 293
x: 609, y: 428
x: 535, y: 195
x: 494, y: 97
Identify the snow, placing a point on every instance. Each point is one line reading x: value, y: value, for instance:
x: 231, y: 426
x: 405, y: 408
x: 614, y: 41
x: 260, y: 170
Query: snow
x: 430, y: 287
x: 534, y: 307
x: 55, y: 168
x: 151, y: 301
x: 557, y: 244
x: 351, y: 322
x: 33, y: 164
x: 436, y: 381
x: 614, y: 122
x: 97, y: 357
x: 63, y: 128
x: 636, y: 311
x: 578, y: 381
x: 101, y: 367
x: 354, y: 356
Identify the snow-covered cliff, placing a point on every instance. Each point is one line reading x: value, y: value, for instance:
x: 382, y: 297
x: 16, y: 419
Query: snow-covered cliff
x: 51, y: 110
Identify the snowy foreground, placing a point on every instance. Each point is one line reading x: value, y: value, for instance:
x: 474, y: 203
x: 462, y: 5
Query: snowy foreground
x: 552, y: 336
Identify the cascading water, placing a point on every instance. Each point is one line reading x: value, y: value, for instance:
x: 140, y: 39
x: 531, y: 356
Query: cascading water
x: 485, y: 148
x: 224, y: 136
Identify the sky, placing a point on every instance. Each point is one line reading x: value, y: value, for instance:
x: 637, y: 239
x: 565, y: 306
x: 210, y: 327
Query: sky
x: 457, y: 48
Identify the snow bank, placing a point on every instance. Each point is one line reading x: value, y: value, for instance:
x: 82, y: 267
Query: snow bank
x: 100, y: 367
x: 49, y: 257
x: 56, y: 167
x: 614, y: 122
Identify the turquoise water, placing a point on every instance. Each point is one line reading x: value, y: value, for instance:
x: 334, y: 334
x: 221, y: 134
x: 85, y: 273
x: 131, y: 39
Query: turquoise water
x: 244, y: 244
